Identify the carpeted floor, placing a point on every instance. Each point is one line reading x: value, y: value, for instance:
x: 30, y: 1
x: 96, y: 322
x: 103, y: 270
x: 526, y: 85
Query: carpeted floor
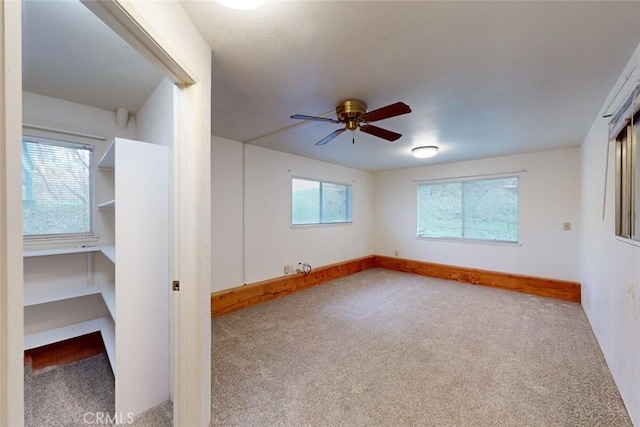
x: 378, y: 348
x: 382, y: 348
x: 80, y: 394
x: 65, y: 395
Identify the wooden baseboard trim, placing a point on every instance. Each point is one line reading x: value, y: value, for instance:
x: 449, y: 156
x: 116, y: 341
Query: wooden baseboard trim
x: 230, y: 300
x: 559, y: 289
x: 64, y: 352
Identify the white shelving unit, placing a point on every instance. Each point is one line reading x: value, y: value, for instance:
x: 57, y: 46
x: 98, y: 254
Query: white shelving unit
x: 137, y: 334
x: 75, y: 292
x: 63, y: 333
x: 135, y: 323
x: 35, y: 296
x: 38, y: 297
x: 108, y: 331
x: 108, y: 292
x: 109, y: 251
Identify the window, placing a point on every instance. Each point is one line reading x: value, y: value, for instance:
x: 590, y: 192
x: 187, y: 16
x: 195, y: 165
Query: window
x: 57, y: 188
x: 623, y: 129
x: 628, y: 182
x: 320, y: 202
x: 484, y: 209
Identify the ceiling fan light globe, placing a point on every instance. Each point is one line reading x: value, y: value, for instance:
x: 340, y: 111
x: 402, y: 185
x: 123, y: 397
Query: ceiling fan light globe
x: 242, y: 4
x: 425, y: 151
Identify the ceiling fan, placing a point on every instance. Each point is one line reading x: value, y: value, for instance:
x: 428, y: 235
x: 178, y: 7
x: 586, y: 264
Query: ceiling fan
x: 353, y: 114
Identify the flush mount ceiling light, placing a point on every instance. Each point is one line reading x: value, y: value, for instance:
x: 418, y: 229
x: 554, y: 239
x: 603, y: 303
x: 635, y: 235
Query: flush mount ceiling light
x: 242, y: 4
x: 425, y: 151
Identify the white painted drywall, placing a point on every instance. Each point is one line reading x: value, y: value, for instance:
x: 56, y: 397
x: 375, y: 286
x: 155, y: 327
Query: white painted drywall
x: 549, y: 196
x: 609, y: 266
x: 226, y: 213
x: 57, y: 272
x: 269, y: 240
x: 154, y: 120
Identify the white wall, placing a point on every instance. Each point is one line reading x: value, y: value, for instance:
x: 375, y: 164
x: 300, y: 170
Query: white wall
x: 226, y: 214
x: 269, y: 240
x: 610, y: 267
x: 549, y: 195
x: 154, y: 120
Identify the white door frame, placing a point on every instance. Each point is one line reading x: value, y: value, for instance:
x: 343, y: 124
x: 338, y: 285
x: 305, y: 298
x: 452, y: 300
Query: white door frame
x: 191, y: 196
x: 11, y: 299
x: 190, y: 258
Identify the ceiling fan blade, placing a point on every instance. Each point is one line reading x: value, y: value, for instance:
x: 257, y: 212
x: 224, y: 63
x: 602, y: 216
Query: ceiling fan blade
x: 392, y: 110
x: 330, y: 136
x: 314, y: 118
x: 380, y: 133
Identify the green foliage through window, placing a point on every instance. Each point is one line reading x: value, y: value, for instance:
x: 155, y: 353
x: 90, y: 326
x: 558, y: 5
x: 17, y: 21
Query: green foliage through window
x: 477, y: 210
x: 57, y: 188
x: 319, y: 202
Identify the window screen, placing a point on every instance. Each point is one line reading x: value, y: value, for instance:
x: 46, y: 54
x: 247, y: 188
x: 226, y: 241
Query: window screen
x: 477, y: 210
x: 319, y: 202
x: 628, y: 182
x: 57, y: 188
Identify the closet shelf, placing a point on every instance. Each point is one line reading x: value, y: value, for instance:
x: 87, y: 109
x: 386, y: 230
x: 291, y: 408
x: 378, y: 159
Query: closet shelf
x: 109, y: 251
x: 62, y: 333
x: 108, y: 291
x: 59, y: 251
x: 78, y: 291
x: 108, y: 159
x: 108, y: 331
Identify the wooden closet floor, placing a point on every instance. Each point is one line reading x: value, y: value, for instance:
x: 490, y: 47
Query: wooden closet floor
x: 64, y: 352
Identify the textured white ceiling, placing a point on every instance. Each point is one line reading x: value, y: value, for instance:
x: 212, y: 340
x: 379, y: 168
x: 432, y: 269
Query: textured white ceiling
x: 483, y: 78
x: 68, y: 53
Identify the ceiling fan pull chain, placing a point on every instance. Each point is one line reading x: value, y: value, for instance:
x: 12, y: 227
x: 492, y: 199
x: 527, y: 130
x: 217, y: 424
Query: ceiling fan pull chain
x: 353, y: 137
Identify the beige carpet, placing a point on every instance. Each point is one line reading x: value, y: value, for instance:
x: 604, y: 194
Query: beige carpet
x: 69, y: 395
x: 80, y: 394
x: 382, y: 348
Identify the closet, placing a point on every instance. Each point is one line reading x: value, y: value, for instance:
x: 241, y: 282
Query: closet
x: 136, y: 329
x: 116, y: 280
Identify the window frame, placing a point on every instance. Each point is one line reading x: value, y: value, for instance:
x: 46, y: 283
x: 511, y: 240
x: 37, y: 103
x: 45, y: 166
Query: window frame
x: 349, y: 203
x: 67, y: 238
x: 467, y: 239
x: 627, y: 182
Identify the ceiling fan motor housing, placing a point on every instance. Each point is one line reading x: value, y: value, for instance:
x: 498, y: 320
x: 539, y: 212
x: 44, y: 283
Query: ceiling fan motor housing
x: 350, y: 113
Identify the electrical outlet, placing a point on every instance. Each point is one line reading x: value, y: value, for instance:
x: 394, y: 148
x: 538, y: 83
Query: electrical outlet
x: 566, y: 226
x: 287, y: 269
x: 396, y: 253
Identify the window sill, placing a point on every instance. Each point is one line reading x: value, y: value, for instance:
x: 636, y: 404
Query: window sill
x: 629, y: 242
x: 329, y: 224
x: 471, y: 241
